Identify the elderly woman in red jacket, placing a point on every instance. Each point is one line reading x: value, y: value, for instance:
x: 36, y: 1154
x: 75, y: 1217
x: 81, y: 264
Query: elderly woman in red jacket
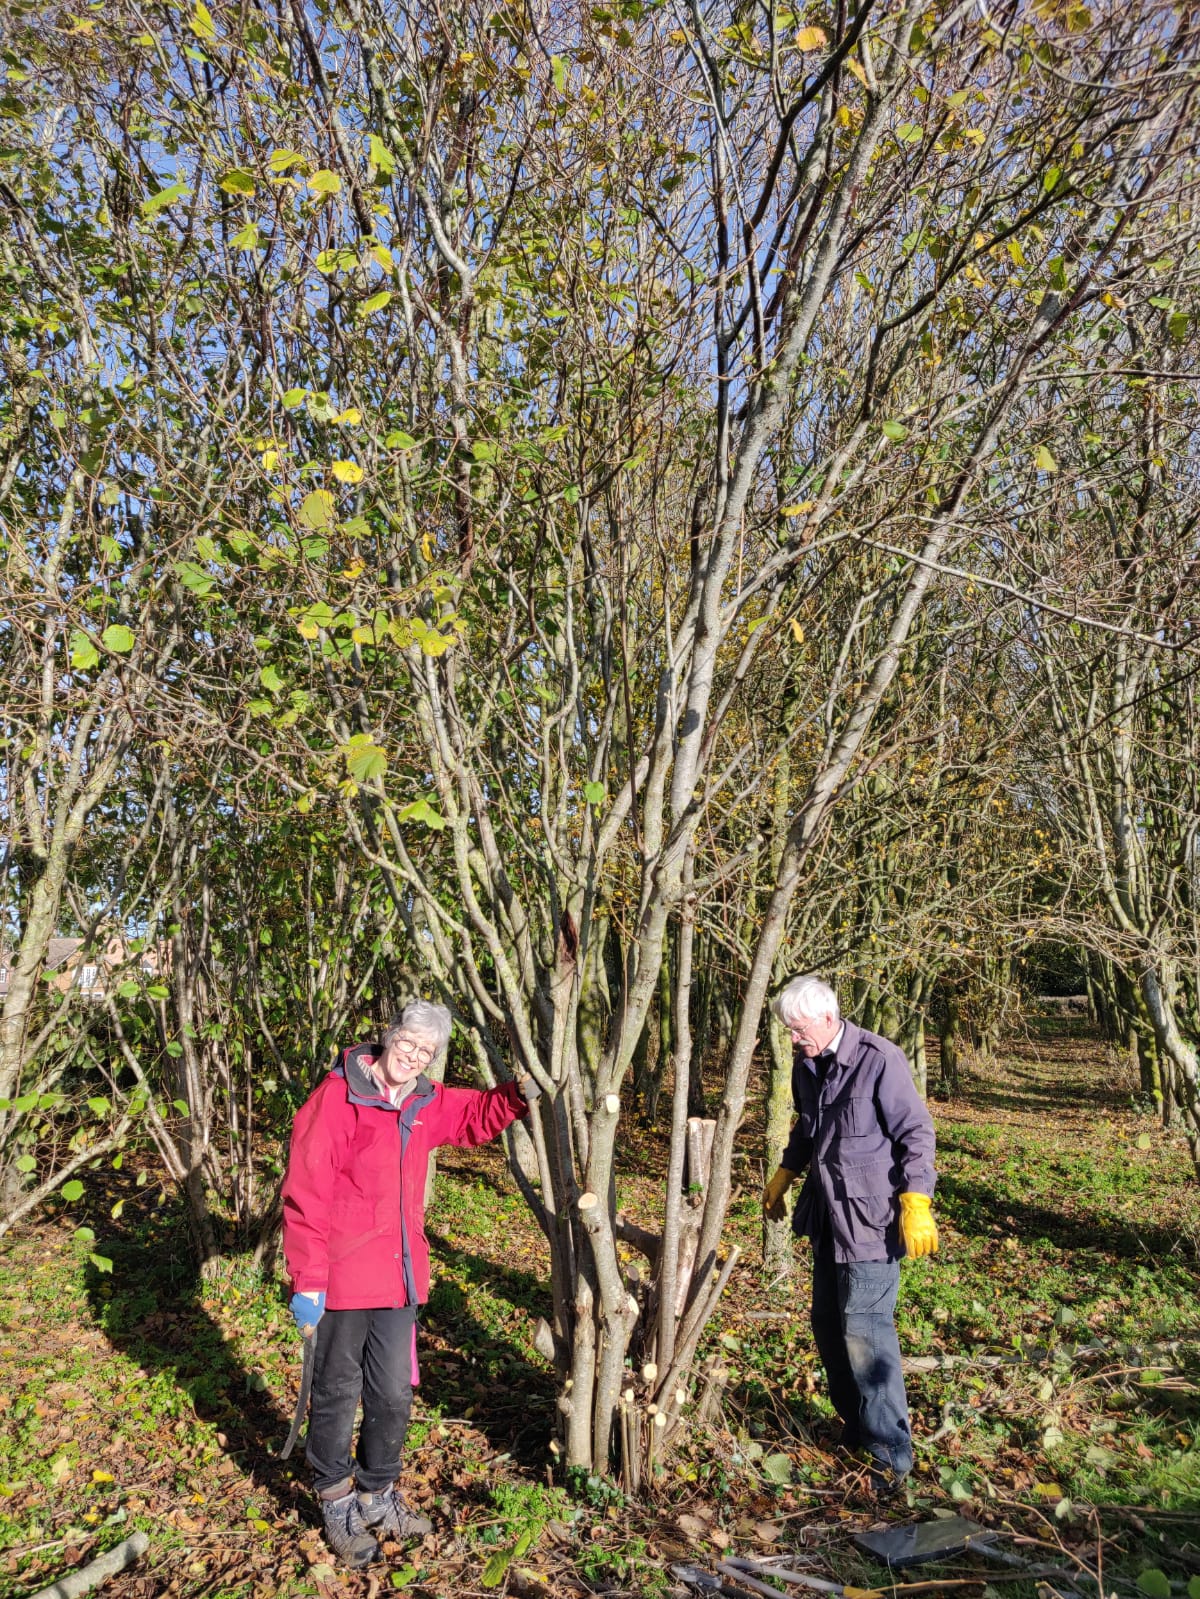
x: 356, y: 1251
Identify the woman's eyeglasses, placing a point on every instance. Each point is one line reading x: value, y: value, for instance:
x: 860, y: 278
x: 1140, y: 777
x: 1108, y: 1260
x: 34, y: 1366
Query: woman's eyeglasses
x: 410, y: 1049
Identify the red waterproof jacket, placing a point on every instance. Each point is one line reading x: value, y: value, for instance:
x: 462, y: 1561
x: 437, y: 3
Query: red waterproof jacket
x: 354, y: 1194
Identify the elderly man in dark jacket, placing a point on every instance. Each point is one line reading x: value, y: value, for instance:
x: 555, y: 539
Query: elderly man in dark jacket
x: 863, y: 1143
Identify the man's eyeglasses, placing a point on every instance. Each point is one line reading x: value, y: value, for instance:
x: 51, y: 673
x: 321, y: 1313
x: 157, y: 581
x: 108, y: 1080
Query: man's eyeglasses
x: 410, y: 1049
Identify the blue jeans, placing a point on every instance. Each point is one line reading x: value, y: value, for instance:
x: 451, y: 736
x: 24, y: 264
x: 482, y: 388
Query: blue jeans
x: 853, y: 1322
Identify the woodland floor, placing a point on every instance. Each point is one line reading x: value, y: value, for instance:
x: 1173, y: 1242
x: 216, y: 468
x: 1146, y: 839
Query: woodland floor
x: 1054, y: 1349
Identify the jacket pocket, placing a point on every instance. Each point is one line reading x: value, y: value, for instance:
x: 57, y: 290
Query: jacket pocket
x: 864, y: 1179
x: 855, y: 1118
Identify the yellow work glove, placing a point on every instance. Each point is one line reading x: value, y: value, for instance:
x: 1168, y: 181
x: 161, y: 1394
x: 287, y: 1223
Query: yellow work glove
x: 917, y: 1226
x: 775, y: 1192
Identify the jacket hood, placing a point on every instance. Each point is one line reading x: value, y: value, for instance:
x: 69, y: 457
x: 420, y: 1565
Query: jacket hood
x: 356, y: 1064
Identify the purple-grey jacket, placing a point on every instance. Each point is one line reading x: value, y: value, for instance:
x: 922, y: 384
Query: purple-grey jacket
x: 864, y: 1137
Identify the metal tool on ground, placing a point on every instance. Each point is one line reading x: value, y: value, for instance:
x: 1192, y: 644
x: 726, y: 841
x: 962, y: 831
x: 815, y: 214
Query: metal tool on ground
x: 915, y: 1542
x: 742, y: 1569
x: 306, y: 1381
x: 918, y: 1541
x: 708, y: 1581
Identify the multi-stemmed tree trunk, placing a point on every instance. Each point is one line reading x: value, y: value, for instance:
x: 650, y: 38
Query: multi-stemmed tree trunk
x: 601, y: 401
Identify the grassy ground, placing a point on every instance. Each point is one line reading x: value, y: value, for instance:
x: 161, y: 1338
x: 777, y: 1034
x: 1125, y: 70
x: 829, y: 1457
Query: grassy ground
x: 1054, y: 1352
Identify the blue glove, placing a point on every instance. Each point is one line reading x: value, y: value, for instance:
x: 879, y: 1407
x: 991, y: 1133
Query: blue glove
x: 308, y: 1310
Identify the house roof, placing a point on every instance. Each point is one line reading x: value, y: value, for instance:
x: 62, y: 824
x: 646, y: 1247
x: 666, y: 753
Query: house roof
x: 60, y: 950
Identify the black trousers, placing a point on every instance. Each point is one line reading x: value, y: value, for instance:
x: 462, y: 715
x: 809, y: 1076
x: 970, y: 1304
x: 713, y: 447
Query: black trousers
x: 367, y: 1355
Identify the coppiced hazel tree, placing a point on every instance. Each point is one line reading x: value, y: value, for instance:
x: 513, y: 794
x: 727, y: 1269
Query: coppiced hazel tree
x: 481, y: 406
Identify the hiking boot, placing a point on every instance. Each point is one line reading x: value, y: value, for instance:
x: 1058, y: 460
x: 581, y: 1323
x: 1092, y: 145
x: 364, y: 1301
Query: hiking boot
x: 388, y: 1515
x: 345, y: 1533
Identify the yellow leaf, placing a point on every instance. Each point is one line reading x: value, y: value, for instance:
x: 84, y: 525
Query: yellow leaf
x: 800, y: 508
x: 349, y: 418
x: 347, y: 471
x: 427, y: 548
x: 1044, y: 461
x: 102, y: 1476
x: 382, y: 256
x: 810, y: 38
x: 202, y: 24
x: 270, y: 459
x: 797, y: 631
x: 308, y: 630
x: 857, y: 70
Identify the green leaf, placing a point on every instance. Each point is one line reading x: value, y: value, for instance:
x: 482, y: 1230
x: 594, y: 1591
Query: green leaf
x: 594, y: 793
x: 1162, y: 302
x: 247, y: 238
x: 422, y: 811
x: 402, y: 1577
x: 270, y: 679
x: 194, y: 577
x: 484, y: 450
x: 101, y: 1263
x: 777, y: 1468
x: 1050, y: 178
x: 1193, y: 1588
x: 397, y: 439
x: 1155, y: 1584
x: 98, y: 1106
x: 83, y: 1235
x: 331, y: 261
x: 559, y: 68
x: 365, y: 761
x: 375, y: 302
x: 158, y: 991
x: 894, y: 430
x: 117, y: 638
x: 72, y: 1191
x: 84, y: 653
x: 237, y: 181
x: 165, y: 197
x: 317, y: 510
x: 284, y: 160
x: 493, y: 1573
x: 294, y: 397
x: 1144, y: 1141
x: 1044, y: 461
x: 25, y: 1163
x: 180, y: 1105
x: 525, y: 1541
x: 325, y: 182
x: 380, y: 157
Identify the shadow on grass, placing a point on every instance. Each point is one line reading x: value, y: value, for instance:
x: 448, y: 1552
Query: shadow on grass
x: 151, y: 1310
x: 976, y: 1207
x: 509, y: 1397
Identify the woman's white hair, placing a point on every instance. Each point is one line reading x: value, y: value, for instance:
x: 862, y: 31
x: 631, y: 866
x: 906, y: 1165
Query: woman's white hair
x: 803, y: 999
x: 421, y: 1016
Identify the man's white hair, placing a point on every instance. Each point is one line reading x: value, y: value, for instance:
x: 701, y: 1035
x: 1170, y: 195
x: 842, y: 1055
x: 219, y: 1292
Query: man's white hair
x: 804, y: 999
x: 422, y: 1016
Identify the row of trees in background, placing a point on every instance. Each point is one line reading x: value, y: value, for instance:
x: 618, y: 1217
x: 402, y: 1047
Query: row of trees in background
x: 581, y: 513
